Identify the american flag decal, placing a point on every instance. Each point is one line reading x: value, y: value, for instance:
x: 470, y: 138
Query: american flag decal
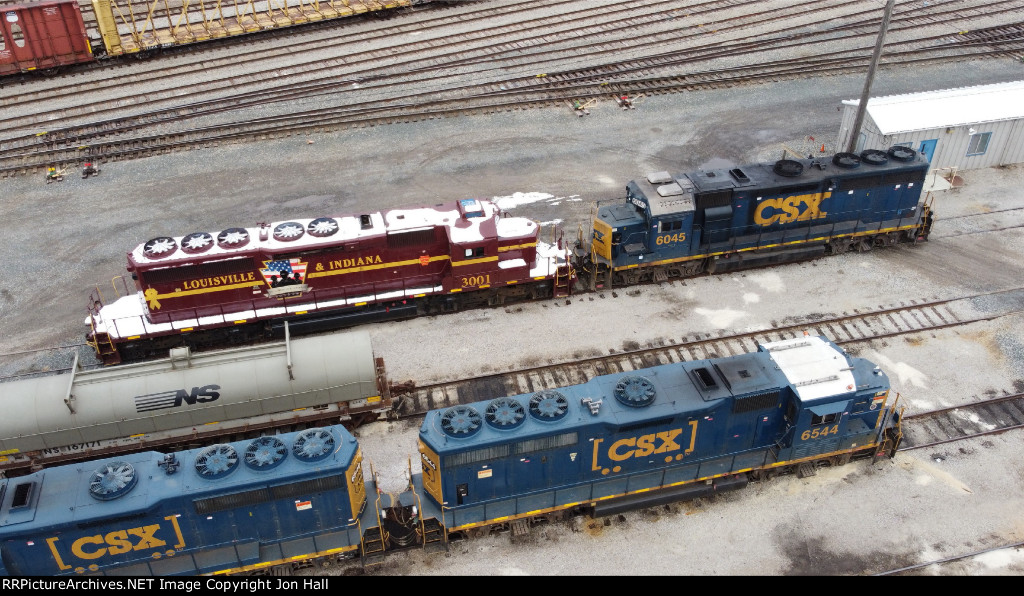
x: 284, y: 272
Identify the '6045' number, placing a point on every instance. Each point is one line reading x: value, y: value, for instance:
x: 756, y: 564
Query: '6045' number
x: 817, y: 433
x: 670, y: 238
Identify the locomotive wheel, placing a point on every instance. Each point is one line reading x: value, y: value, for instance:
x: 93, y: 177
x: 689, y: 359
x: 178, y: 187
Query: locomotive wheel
x: 864, y: 245
x: 840, y: 245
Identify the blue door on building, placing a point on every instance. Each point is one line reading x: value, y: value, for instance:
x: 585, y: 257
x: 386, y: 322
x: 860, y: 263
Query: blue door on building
x: 928, y: 149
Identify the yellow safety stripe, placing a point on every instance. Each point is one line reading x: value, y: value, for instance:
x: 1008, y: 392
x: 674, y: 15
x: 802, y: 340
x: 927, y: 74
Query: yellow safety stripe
x: 516, y: 247
x: 715, y: 254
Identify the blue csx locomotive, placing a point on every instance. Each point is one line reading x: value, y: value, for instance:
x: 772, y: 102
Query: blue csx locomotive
x: 229, y: 507
x: 617, y: 442
x: 719, y: 220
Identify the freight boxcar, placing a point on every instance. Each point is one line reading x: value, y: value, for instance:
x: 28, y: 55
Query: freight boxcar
x: 708, y: 221
x: 42, y: 35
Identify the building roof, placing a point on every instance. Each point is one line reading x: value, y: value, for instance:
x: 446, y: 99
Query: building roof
x: 949, y: 107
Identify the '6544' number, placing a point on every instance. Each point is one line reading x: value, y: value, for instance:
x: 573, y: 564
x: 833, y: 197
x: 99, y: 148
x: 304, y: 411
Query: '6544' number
x: 817, y: 433
x: 670, y: 238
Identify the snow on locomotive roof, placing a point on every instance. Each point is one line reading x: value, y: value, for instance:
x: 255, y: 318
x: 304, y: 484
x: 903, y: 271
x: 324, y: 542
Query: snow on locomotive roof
x: 814, y: 366
x: 464, y: 220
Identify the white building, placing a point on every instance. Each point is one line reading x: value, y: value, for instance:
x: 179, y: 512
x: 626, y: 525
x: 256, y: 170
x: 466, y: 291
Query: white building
x: 966, y: 128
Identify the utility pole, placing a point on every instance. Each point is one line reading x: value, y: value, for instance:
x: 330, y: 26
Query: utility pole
x: 863, y: 105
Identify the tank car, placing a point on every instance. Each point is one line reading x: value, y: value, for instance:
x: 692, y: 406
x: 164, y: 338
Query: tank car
x: 655, y: 435
x: 226, y: 508
x: 709, y: 221
x: 242, y: 284
x: 190, y: 398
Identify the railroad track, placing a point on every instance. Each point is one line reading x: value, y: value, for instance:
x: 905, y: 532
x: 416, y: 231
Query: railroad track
x: 160, y: 130
x: 989, y: 417
x: 846, y: 330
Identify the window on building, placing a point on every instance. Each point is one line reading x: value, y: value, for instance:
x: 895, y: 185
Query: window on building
x: 979, y: 143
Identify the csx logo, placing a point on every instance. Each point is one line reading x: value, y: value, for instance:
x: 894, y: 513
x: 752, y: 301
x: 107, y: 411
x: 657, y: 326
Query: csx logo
x: 175, y: 397
x: 669, y: 444
x: 645, y: 445
x: 120, y: 542
x: 788, y: 209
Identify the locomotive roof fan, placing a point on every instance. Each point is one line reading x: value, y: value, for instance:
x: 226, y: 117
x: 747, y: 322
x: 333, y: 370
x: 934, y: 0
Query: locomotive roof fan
x: 790, y: 168
x: 460, y: 422
x: 549, y: 405
x: 233, y: 238
x: 288, y: 231
x: 874, y: 157
x: 159, y: 247
x: 265, y: 453
x: 112, y: 481
x: 197, y: 242
x: 216, y: 461
x: 505, y: 413
x: 635, y: 392
x: 313, y: 445
x: 322, y: 227
x: 847, y: 161
x: 901, y: 153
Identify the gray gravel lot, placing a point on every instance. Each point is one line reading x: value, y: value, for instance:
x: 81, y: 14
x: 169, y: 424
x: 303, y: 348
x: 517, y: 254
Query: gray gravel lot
x: 59, y: 240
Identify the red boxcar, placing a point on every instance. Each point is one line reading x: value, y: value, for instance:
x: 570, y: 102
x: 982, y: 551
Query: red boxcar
x: 42, y: 35
x: 204, y: 288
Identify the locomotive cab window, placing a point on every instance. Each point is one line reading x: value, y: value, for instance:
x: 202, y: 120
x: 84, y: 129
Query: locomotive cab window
x: 669, y: 226
x: 817, y: 420
x: 474, y: 252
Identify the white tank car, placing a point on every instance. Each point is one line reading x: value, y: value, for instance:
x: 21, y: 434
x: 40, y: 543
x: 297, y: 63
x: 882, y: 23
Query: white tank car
x: 190, y: 398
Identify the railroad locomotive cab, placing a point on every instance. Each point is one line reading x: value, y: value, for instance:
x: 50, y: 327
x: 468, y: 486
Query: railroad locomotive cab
x: 832, y: 411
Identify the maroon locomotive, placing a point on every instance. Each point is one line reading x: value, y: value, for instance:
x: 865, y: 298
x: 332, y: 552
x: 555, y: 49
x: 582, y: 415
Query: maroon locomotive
x: 42, y: 36
x: 243, y: 284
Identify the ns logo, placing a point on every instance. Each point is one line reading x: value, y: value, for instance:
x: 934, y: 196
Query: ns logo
x: 175, y: 397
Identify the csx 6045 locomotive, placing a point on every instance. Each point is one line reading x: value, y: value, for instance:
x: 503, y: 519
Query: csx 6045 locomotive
x: 678, y: 225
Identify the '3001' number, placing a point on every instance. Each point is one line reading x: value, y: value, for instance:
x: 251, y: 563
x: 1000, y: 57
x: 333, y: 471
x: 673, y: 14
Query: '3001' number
x: 476, y: 280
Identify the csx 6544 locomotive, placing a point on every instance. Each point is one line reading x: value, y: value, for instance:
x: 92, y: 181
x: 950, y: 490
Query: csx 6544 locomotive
x: 718, y: 220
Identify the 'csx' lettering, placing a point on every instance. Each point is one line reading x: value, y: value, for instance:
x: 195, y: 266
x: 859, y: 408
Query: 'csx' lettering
x: 784, y: 210
x: 646, y: 445
x: 120, y: 542
x: 668, y: 444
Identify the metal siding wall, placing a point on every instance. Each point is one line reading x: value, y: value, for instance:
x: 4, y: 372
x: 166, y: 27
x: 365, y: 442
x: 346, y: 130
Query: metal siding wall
x: 1014, y: 151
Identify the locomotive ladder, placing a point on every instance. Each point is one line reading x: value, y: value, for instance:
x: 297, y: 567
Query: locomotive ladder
x: 101, y: 342
x: 563, y: 273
